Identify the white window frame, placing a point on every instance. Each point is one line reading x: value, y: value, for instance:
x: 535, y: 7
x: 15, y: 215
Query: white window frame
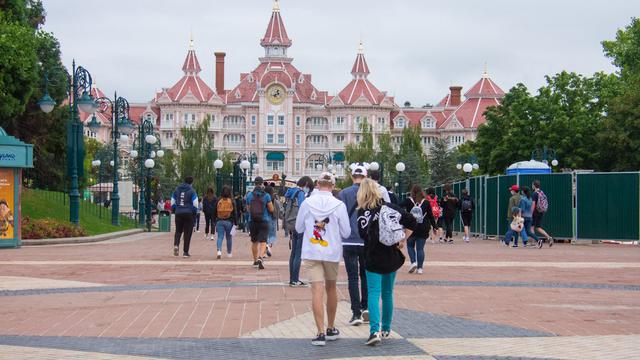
x: 281, y: 120
x: 270, y: 139
x: 254, y: 138
x: 270, y: 120
x: 280, y: 139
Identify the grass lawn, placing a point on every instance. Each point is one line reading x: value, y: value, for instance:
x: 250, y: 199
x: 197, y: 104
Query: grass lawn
x: 39, y: 204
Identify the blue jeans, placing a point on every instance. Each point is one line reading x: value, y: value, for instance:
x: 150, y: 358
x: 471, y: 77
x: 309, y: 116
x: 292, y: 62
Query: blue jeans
x: 380, y: 285
x: 223, y: 227
x: 294, y: 258
x: 510, y: 234
x: 416, y: 245
x: 354, y: 264
x: 272, y: 232
x: 528, y: 222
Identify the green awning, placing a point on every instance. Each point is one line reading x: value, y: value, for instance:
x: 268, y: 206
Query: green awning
x: 275, y: 156
x: 338, y: 156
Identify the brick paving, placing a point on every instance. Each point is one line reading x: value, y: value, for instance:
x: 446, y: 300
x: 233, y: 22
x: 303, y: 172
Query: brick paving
x: 131, y: 297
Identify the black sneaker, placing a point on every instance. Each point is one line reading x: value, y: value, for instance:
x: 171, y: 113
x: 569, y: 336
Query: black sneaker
x: 302, y: 284
x: 255, y: 263
x: 373, y: 340
x: 385, y: 334
x: 540, y: 242
x: 551, y: 240
x: 356, y: 320
x: 333, y: 334
x: 176, y: 251
x: 320, y: 340
x: 186, y: 255
x: 269, y: 251
x: 293, y: 284
x: 365, y: 316
x: 260, y: 265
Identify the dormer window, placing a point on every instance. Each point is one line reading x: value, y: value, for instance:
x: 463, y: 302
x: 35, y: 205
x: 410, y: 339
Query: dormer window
x: 238, y: 95
x: 250, y: 78
x: 400, y: 123
x: 313, y: 95
x: 301, y: 79
x: 428, y: 123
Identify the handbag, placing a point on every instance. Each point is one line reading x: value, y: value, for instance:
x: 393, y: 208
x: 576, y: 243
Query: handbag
x: 234, y: 230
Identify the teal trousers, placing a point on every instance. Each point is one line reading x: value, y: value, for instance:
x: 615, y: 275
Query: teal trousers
x: 380, y: 285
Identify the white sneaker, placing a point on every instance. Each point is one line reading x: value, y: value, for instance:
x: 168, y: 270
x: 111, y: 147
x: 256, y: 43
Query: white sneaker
x: 219, y: 254
x: 420, y: 271
x: 413, y: 268
x: 229, y: 255
x: 466, y: 239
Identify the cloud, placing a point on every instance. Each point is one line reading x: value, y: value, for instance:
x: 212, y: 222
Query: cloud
x: 415, y: 48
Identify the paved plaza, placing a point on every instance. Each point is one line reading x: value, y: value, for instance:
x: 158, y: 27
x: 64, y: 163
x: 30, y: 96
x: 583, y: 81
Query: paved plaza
x: 129, y: 298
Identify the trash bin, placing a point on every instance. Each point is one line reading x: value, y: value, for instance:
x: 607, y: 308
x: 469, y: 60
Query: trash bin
x: 164, y: 223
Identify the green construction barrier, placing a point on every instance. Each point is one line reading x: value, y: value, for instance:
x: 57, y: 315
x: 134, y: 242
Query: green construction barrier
x: 608, y: 206
x: 558, y: 220
x: 491, y: 206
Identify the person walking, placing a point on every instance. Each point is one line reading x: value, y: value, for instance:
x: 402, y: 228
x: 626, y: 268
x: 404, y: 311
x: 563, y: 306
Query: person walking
x: 467, y: 206
x: 294, y: 197
x: 209, y: 203
x: 540, y: 207
x: 197, y: 217
x: 436, y: 210
x: 324, y: 222
x: 225, y: 213
x: 381, y: 226
x: 449, y: 204
x: 353, y: 251
x: 526, y: 206
x: 375, y: 176
x: 418, y: 206
x: 260, y: 210
x: 273, y: 223
x: 184, y: 204
x: 514, y: 202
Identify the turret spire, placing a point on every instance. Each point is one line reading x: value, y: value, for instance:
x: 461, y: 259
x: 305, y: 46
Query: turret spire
x: 360, y: 67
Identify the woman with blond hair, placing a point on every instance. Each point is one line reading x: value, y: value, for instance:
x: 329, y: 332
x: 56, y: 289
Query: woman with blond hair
x: 383, y: 227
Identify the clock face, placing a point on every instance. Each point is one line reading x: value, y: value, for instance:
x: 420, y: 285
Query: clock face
x: 276, y: 94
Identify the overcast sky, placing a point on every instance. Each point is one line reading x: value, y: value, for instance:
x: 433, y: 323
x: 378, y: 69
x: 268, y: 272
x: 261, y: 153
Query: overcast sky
x: 415, y: 49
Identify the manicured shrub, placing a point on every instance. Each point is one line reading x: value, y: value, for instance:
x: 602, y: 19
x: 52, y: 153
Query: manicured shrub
x: 49, y: 229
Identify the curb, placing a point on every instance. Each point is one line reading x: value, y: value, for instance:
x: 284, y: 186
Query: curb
x: 81, y: 240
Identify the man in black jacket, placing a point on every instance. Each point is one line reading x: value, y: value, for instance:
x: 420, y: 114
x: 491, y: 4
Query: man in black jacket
x: 184, y: 204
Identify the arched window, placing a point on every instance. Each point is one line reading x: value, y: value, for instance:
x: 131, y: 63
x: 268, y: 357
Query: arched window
x: 400, y: 123
x: 428, y: 123
x: 314, y: 160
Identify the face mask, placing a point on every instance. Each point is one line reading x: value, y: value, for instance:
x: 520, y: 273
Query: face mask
x: 305, y: 190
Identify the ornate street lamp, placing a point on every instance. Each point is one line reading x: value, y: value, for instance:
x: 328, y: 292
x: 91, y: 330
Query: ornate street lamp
x: 148, y: 164
x: 400, y: 168
x: 218, y: 164
x: 121, y: 128
x: 544, y: 154
x: 98, y: 164
x: 80, y: 82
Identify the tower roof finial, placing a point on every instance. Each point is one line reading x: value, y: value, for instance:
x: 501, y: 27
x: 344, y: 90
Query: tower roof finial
x: 191, y: 39
x: 361, y: 47
x: 276, y: 5
x: 485, y: 72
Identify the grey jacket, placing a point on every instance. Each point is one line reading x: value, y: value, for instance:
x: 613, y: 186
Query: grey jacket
x: 348, y: 197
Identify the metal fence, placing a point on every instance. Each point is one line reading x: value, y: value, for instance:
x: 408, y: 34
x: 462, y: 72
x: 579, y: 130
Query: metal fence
x: 584, y: 206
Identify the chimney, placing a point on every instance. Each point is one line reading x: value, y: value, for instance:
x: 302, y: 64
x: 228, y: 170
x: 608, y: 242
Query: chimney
x: 220, y: 72
x: 456, y: 97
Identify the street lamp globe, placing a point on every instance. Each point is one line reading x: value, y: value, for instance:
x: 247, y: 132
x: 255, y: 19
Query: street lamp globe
x: 86, y: 103
x: 124, y: 137
x: 374, y: 166
x: 245, y: 164
x: 554, y: 162
x: 47, y: 103
x: 468, y: 168
x: 160, y: 153
x: 149, y: 163
x: 134, y: 154
x: 459, y: 166
x: 218, y: 164
x: 112, y: 163
x: 400, y: 167
x: 96, y: 163
x: 476, y: 166
x: 150, y: 139
x: 152, y: 154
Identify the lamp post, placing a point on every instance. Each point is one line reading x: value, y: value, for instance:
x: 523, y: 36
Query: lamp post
x: 244, y: 165
x: 145, y: 141
x: 121, y: 128
x: 400, y: 168
x: 218, y: 164
x: 467, y: 166
x: 253, y: 161
x: 148, y: 164
x: 544, y: 155
x: 98, y: 164
x: 80, y: 94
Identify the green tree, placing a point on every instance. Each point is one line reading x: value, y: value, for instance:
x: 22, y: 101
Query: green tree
x: 195, y: 147
x: 619, y: 139
x: 361, y: 151
x: 443, y: 162
x: 412, y: 154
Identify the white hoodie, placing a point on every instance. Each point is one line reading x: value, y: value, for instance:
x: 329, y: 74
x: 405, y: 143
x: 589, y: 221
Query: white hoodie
x: 324, y: 221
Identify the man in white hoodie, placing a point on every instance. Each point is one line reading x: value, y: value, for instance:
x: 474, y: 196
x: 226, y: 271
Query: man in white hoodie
x: 324, y: 221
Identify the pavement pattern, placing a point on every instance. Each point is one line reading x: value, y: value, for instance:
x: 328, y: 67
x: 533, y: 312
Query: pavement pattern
x: 129, y: 298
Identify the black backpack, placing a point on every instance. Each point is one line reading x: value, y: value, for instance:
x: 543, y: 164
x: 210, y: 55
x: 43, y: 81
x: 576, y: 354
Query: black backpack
x: 467, y: 205
x: 256, y: 207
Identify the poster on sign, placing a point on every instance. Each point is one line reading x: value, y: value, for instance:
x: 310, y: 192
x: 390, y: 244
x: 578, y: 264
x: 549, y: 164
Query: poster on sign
x: 6, y: 203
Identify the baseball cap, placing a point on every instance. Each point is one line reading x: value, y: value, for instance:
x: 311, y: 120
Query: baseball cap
x: 258, y: 180
x: 327, y: 177
x: 359, y: 170
x: 514, y: 188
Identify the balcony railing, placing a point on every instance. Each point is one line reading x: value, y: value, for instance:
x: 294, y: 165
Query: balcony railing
x: 320, y: 127
x: 320, y: 145
x: 166, y: 124
x: 234, y: 144
x: 233, y: 125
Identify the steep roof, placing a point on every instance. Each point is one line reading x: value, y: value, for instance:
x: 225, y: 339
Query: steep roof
x: 276, y: 33
x: 190, y: 85
x: 360, y: 66
x: 485, y: 88
x: 360, y: 88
